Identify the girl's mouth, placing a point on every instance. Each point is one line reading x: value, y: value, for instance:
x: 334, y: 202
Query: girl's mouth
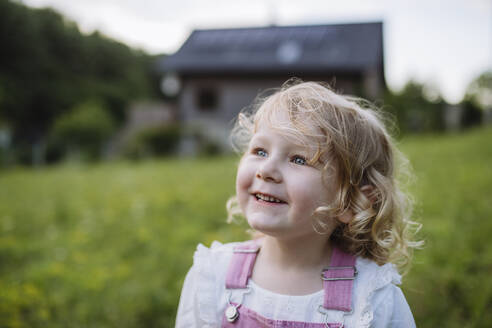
x: 268, y: 199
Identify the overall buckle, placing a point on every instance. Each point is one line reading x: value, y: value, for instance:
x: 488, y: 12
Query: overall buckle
x: 338, y: 268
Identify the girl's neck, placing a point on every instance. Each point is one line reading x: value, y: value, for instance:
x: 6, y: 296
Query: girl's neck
x: 303, y: 253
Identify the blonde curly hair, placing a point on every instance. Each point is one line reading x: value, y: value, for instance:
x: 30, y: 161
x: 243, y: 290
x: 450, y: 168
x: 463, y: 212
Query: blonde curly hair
x: 351, y: 140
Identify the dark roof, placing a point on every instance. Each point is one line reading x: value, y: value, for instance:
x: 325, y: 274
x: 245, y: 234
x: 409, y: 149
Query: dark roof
x: 276, y: 49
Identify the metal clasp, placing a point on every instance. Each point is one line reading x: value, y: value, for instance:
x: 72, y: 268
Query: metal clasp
x: 324, y: 311
x: 232, y: 312
x: 339, y: 268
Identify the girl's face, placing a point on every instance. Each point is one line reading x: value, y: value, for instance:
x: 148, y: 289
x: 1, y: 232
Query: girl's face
x: 277, y: 189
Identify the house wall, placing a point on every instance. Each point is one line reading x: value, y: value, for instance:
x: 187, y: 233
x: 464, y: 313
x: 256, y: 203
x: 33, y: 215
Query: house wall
x: 373, y: 83
x: 232, y: 95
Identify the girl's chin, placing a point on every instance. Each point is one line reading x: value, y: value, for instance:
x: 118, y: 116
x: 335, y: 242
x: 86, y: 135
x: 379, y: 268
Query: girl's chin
x: 267, y: 228
x: 258, y: 225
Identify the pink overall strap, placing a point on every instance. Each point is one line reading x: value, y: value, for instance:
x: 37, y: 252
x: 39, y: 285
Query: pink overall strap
x: 241, y: 265
x: 338, y: 281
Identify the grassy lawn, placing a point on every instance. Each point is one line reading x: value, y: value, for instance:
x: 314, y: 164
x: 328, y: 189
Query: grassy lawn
x: 450, y: 280
x: 108, y: 245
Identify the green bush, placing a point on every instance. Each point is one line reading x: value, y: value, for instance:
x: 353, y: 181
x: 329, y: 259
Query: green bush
x: 472, y: 114
x: 154, y: 142
x: 205, y: 146
x: 210, y: 148
x: 83, y: 131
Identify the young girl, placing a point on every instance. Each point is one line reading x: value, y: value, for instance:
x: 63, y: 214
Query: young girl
x: 317, y: 183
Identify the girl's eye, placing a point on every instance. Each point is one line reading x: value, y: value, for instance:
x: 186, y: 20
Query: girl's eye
x: 260, y: 152
x: 299, y: 160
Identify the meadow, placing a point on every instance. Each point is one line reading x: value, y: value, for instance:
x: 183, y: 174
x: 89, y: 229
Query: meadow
x: 108, y: 245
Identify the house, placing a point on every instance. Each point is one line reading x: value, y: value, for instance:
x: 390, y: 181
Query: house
x: 220, y: 71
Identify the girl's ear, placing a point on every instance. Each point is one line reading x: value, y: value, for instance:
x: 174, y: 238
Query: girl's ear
x: 346, y: 217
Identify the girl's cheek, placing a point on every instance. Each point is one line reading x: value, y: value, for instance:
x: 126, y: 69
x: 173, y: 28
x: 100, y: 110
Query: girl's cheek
x: 243, y: 181
x: 242, y: 189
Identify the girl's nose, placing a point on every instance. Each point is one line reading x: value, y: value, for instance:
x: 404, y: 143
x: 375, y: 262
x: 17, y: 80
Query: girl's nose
x: 269, y: 171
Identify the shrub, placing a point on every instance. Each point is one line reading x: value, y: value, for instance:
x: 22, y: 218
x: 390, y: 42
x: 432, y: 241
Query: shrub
x: 154, y: 142
x: 205, y: 145
x: 472, y: 114
x: 83, y: 130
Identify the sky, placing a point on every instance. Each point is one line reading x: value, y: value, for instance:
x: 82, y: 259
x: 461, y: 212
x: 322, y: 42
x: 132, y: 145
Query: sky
x: 443, y: 44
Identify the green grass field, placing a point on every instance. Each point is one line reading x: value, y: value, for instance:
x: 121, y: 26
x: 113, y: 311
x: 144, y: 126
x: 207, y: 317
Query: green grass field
x: 109, y: 245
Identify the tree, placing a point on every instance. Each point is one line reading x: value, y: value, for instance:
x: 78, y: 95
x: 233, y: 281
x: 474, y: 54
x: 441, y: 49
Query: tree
x: 47, y: 67
x: 84, y: 130
x: 477, y: 102
x: 413, y: 111
x: 479, y: 92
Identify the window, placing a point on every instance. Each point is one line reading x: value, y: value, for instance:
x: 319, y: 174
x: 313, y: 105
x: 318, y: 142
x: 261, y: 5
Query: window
x: 207, y: 99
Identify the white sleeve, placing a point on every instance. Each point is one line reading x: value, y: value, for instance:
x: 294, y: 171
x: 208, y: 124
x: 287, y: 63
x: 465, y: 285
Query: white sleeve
x: 187, y: 315
x: 391, y: 309
x: 198, y: 303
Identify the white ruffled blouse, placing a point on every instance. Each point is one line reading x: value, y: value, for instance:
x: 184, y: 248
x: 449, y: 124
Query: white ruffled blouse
x: 377, y: 302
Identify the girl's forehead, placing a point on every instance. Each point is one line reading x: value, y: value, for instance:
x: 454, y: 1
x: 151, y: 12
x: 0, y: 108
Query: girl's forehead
x: 302, y: 131
x: 289, y: 135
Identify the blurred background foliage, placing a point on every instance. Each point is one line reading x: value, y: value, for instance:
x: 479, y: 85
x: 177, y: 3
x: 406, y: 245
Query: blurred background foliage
x: 154, y: 142
x: 108, y: 243
x: 82, y: 130
x: 48, y: 68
